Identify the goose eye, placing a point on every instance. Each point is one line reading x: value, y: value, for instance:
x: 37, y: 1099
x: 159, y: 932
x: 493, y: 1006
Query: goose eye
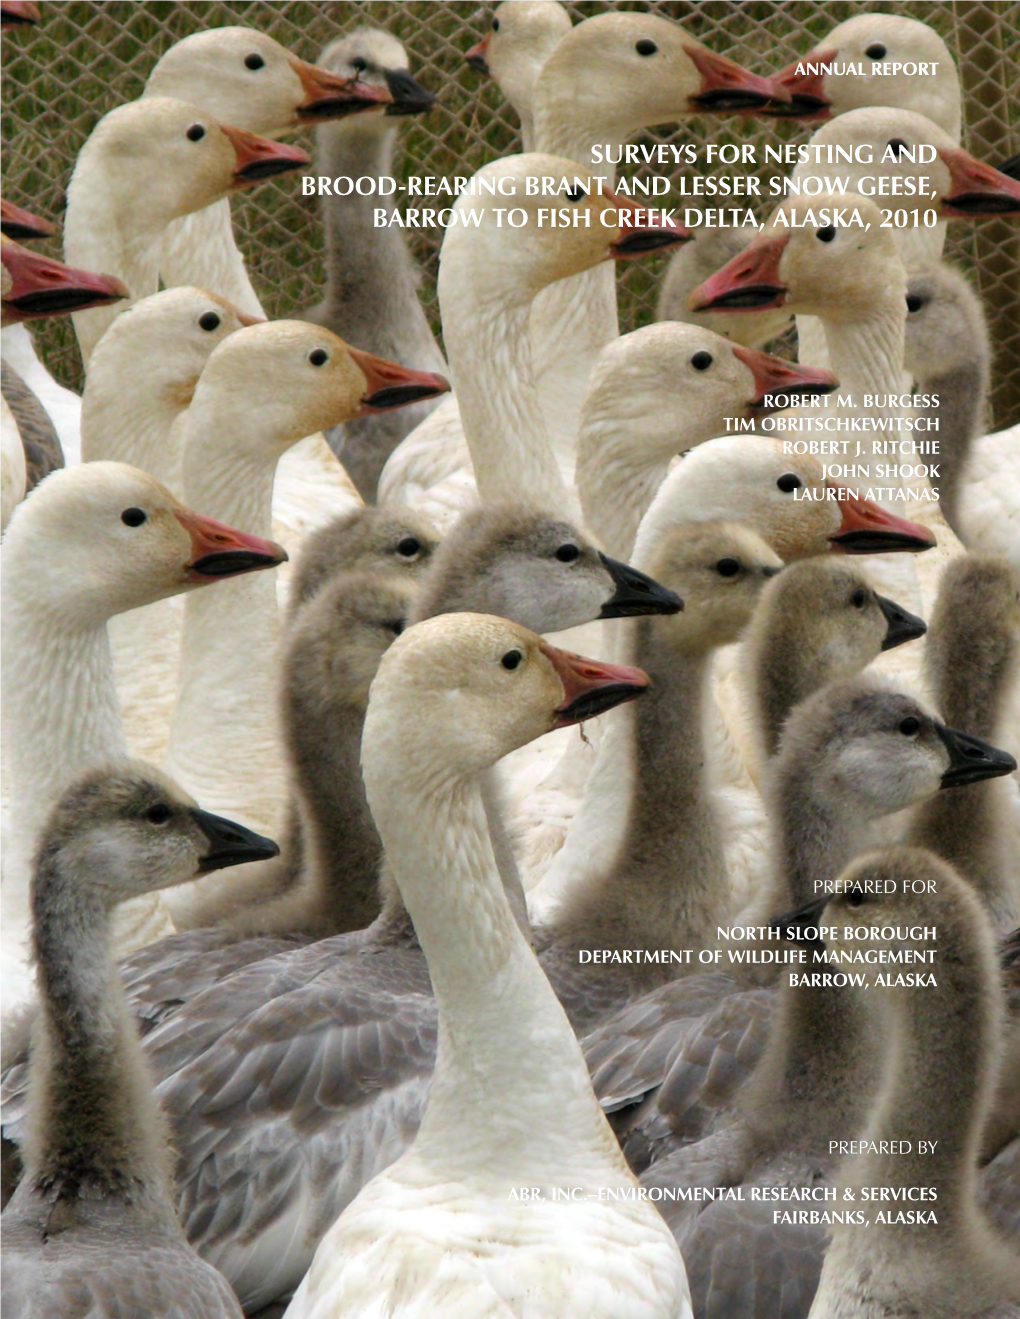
x: 875, y: 51
x: 909, y: 726
x: 702, y: 361
x: 576, y: 194
x: 318, y: 357
x: 409, y: 547
x: 568, y: 553
x: 855, y: 898
x: 728, y: 567
x: 209, y: 321
x: 195, y: 133
x: 512, y: 659
x: 789, y: 481
x: 495, y: 25
x: 827, y: 234
x: 134, y: 517
x: 395, y: 625
x: 914, y: 302
x: 158, y: 814
x: 859, y: 598
x: 646, y: 47
x: 358, y: 64
x: 254, y: 62
x: 897, y: 145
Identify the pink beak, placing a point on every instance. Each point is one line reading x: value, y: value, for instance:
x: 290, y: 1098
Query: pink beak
x: 258, y: 158
x: 20, y: 224
x: 41, y: 286
x: 774, y: 376
x: 328, y: 96
x: 590, y: 687
x: 869, y: 529
x: 805, y: 92
x: 478, y: 56
x: 218, y: 551
x: 977, y: 189
x: 640, y: 232
x: 750, y: 282
x: 728, y: 88
x: 391, y: 385
x: 18, y: 13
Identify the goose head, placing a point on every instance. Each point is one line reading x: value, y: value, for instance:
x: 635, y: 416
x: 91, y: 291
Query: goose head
x: 520, y: 260
x: 880, y: 748
x: 160, y: 158
x: 678, y: 384
x: 691, y: 264
x: 869, y: 42
x: 377, y: 59
x: 629, y: 70
x: 783, y: 497
x: 32, y: 286
x: 100, y: 538
x: 128, y: 829
x: 841, y: 273
x: 887, y: 900
x: 388, y: 540
x: 521, y: 37
x: 299, y: 379
x: 19, y: 224
x: 456, y: 693
x: 245, y: 77
x: 946, y: 326
x: 888, y: 142
x: 838, y: 616
x: 173, y: 334
x: 535, y: 569
x: 720, y: 569
x: 334, y: 649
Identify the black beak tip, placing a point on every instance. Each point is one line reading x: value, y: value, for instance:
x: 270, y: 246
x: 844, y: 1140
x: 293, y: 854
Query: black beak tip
x: 409, y: 96
x: 231, y: 844
x: 228, y: 563
x: 477, y: 62
x: 971, y: 760
x: 902, y: 625
x: 636, y: 594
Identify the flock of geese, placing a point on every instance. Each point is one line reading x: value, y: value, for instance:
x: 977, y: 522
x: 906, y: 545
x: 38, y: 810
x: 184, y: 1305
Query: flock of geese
x: 509, y: 1022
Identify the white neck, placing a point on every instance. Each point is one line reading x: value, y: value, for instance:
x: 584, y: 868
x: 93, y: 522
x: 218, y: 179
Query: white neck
x: 573, y: 319
x: 617, y: 479
x: 129, y: 421
x: 510, y: 1095
x: 200, y: 250
x: 60, y: 718
x: 488, y: 345
x: 224, y: 745
x: 101, y: 234
x: 867, y: 358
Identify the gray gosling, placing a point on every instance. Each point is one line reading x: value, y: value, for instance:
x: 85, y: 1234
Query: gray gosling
x: 938, y: 1259
x: 817, y: 1069
x: 972, y: 660
x: 819, y: 621
x: 372, y: 281
x: 658, y: 880
x: 391, y: 539
x: 92, y: 1227
x: 691, y: 265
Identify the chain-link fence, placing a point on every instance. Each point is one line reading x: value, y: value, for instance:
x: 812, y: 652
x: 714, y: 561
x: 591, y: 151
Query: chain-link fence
x: 91, y: 55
